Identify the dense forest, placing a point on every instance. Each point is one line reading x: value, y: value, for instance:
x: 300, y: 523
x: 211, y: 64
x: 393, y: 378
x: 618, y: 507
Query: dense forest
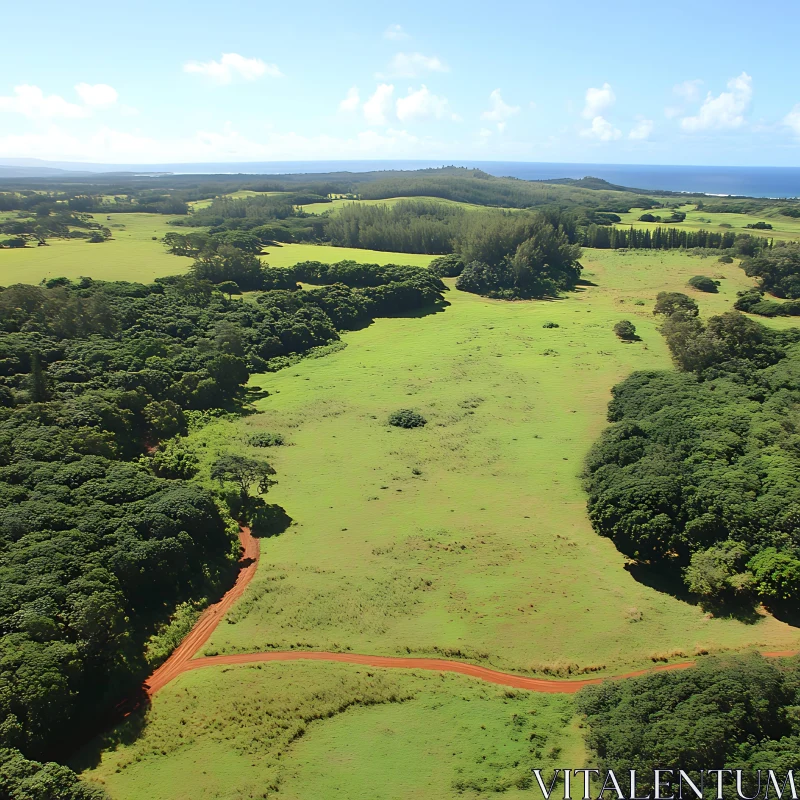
x: 736, y: 712
x: 101, y: 534
x: 700, y: 472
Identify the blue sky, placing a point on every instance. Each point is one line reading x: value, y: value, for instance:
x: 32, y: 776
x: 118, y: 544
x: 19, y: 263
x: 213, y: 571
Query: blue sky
x: 650, y: 83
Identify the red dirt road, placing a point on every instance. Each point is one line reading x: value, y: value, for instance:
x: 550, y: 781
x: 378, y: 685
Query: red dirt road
x: 209, y: 619
x: 182, y: 659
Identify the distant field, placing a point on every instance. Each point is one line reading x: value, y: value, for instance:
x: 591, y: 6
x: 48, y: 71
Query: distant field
x: 335, y: 205
x: 197, y: 204
x: 288, y: 254
x: 784, y: 228
x: 324, y: 730
x: 131, y: 255
x: 469, y: 536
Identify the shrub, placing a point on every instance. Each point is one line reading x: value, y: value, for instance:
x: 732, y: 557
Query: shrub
x: 726, y: 259
x: 760, y: 226
x: 550, y: 325
x: 626, y: 330
x: 406, y: 418
x: 703, y: 284
x: 262, y: 439
x: 777, y: 575
x: 648, y: 218
x: 450, y: 266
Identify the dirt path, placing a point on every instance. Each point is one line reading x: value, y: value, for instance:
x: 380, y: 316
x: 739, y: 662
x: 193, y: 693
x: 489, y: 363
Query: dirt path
x: 182, y: 659
x: 179, y: 660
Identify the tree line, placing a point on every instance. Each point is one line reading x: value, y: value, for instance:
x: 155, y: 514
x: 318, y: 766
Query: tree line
x: 99, y: 541
x: 699, y: 472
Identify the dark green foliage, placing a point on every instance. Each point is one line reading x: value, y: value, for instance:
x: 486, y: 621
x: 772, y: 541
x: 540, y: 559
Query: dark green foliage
x: 407, y: 418
x: 727, y: 712
x: 262, y: 439
x: 778, y: 270
x: 793, y: 211
x: 776, y: 575
x: 21, y: 779
x: 760, y: 226
x: 753, y: 302
x: 550, y: 325
x: 725, y: 259
x: 245, y: 473
x: 625, y: 330
x: 541, y: 263
x: 450, y: 266
x: 669, y: 303
x: 649, y: 218
x: 702, y: 468
x: 704, y: 284
x: 174, y: 459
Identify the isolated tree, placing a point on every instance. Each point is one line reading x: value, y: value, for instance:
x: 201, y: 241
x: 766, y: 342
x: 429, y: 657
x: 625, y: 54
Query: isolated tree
x: 669, y: 303
x: 626, y: 330
x: 246, y: 473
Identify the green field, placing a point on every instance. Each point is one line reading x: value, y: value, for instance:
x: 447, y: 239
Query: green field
x: 197, y: 204
x: 469, y: 537
x: 133, y: 255
x: 334, y: 205
x: 326, y: 730
x: 288, y: 254
x: 784, y: 228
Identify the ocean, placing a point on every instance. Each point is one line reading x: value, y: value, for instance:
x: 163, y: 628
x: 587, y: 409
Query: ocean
x: 749, y: 181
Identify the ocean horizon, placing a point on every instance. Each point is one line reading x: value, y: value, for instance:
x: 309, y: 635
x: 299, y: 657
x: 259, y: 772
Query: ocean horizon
x: 767, y: 182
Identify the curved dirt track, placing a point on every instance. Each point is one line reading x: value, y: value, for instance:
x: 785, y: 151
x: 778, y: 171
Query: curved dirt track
x: 209, y: 619
x: 182, y: 659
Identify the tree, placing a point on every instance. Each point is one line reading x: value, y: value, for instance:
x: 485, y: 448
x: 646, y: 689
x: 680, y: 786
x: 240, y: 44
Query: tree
x: 625, y: 330
x: 246, y: 473
x: 229, y: 288
x: 37, y: 381
x: 776, y: 575
x: 719, y: 571
x: 228, y: 263
x: 704, y: 284
x: 407, y: 418
x: 668, y: 303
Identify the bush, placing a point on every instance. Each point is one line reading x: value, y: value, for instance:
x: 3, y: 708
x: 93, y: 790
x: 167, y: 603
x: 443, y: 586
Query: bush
x: 450, y: 266
x: 760, y: 226
x: 725, y: 259
x: 648, y: 218
x: 704, y: 284
x: 266, y: 439
x: 550, y: 325
x: 406, y: 418
x: 626, y: 330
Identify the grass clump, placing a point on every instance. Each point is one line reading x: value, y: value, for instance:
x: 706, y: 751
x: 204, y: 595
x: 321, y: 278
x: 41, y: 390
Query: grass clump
x: 407, y: 418
x: 264, y: 439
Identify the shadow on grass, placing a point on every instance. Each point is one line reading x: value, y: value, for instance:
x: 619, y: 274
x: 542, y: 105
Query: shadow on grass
x: 417, y: 313
x: 785, y: 612
x: 113, y: 731
x: 584, y: 282
x: 668, y: 580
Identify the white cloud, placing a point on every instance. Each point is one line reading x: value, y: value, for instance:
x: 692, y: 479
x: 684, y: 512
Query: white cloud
x: 232, y: 65
x: 726, y: 110
x: 379, y: 106
x: 688, y: 90
x: 602, y: 129
x: 422, y: 105
x: 642, y: 129
x: 792, y: 119
x: 410, y: 65
x: 351, y: 101
x: 109, y: 145
x: 598, y: 100
x: 395, y: 32
x: 101, y: 94
x: 499, y: 111
x: 32, y: 102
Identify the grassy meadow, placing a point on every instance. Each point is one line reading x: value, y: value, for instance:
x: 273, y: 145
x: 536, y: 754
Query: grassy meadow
x: 784, y: 228
x: 469, y: 537
x: 133, y: 255
x: 308, y: 730
x: 336, y: 204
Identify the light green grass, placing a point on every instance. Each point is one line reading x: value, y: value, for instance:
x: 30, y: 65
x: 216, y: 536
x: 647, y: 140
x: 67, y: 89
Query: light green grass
x: 289, y: 254
x: 131, y: 255
x: 335, y: 205
x: 487, y: 552
x: 784, y: 228
x: 198, y: 204
x: 329, y: 730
